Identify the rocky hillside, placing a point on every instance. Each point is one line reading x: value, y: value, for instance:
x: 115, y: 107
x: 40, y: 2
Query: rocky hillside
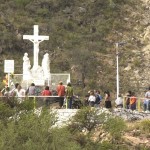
x: 82, y: 39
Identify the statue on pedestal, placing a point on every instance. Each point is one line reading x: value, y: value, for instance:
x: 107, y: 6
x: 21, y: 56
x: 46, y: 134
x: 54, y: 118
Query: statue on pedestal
x: 45, y: 66
x: 37, y: 73
x: 36, y: 39
x: 26, y: 67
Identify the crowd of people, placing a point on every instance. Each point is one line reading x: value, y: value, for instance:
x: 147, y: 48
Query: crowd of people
x: 66, y: 96
x: 147, y: 100
x: 94, y: 99
x: 129, y: 101
x: 63, y: 93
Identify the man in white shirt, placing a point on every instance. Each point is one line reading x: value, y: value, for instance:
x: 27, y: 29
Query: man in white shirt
x: 92, y: 99
x: 119, y: 101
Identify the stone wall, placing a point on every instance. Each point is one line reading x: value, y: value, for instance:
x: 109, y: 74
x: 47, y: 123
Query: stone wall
x: 64, y: 115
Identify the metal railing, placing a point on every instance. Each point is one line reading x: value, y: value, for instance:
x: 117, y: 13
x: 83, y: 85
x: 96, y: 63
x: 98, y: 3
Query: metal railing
x: 139, y: 103
x: 40, y: 101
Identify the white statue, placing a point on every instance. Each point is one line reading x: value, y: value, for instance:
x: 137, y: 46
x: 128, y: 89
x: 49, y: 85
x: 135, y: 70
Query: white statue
x: 26, y: 62
x: 37, y: 72
x: 26, y: 67
x: 36, y: 39
x: 46, y: 66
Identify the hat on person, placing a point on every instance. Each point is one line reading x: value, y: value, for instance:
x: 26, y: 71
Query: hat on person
x: 89, y: 91
x: 60, y: 82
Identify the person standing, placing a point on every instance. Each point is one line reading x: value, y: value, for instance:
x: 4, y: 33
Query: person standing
x: 107, y: 99
x: 119, y: 101
x: 13, y: 94
x: 133, y: 100
x: 69, y: 95
x: 31, y: 91
x: 7, y: 95
x: 20, y: 94
x: 98, y: 99
x: 147, y: 100
x: 4, y: 90
x: 127, y: 101
x: 46, y: 92
x: 14, y: 90
x: 61, y: 93
x: 92, y: 99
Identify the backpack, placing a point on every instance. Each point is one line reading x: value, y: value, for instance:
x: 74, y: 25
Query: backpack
x: 98, y: 99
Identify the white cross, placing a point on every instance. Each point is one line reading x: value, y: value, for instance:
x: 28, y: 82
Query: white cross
x: 36, y: 39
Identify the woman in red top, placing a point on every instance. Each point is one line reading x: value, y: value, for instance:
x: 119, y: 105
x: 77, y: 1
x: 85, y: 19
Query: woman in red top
x: 46, y: 92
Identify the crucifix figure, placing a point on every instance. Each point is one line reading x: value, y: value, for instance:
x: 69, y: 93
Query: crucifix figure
x: 36, y: 39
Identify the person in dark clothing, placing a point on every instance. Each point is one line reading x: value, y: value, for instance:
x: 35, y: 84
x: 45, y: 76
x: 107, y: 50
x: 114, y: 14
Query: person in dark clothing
x: 107, y: 99
x: 98, y: 99
x: 127, y: 102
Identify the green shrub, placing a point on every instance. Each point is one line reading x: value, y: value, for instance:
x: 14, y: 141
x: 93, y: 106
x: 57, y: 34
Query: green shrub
x: 28, y: 104
x: 32, y: 132
x: 5, y: 111
x: 106, y: 145
x: 62, y: 139
x: 115, y: 126
x: 28, y: 132
x: 87, y: 119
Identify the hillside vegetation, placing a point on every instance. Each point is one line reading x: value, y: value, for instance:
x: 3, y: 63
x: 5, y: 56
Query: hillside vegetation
x: 27, y: 129
x: 82, y: 40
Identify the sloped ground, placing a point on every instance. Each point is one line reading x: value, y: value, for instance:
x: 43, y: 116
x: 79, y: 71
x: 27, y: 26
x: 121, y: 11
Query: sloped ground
x: 138, y: 140
x: 133, y: 136
x: 82, y: 39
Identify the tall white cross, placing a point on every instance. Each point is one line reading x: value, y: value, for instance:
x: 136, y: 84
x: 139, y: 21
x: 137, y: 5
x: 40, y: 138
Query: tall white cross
x: 36, y: 39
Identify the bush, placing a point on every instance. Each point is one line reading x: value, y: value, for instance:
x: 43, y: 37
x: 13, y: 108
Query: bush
x: 115, y: 126
x: 28, y: 104
x: 5, y: 111
x: 62, y: 139
x: 35, y: 132
x: 86, y: 119
x: 28, y: 132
